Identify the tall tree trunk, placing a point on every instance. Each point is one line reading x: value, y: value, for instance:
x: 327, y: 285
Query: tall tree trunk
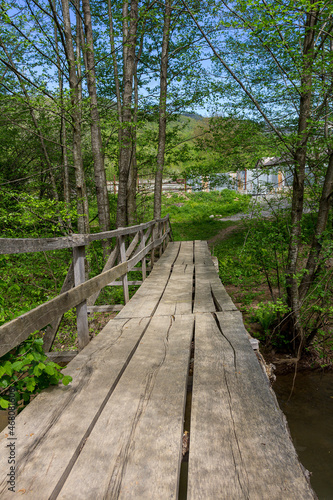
x: 129, y: 42
x: 316, y: 246
x: 133, y: 173
x: 96, y: 137
x: 162, y: 111
x: 298, y: 183
x: 63, y: 135
x: 81, y: 191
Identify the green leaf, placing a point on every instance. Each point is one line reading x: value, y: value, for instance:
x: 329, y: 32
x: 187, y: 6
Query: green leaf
x: 49, y: 370
x: 17, y: 365
x: 4, y: 403
x: 30, y: 384
x: 67, y: 379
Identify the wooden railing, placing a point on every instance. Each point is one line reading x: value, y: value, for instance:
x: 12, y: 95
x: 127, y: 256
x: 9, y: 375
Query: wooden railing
x: 146, y: 238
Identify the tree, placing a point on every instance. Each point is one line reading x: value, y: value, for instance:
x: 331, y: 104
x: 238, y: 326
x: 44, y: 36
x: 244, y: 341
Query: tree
x: 284, y: 71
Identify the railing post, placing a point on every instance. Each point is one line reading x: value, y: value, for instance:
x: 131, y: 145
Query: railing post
x: 124, y: 279
x: 81, y: 309
x: 143, y: 262
x: 163, y: 233
x: 152, y: 254
x: 160, y: 232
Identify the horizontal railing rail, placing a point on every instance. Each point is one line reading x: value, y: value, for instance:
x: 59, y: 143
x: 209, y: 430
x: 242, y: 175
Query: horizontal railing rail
x: 27, y: 245
x: 84, y: 293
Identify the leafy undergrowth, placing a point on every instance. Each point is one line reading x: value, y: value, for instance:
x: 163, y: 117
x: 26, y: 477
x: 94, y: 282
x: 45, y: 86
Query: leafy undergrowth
x: 251, y: 267
x: 25, y: 371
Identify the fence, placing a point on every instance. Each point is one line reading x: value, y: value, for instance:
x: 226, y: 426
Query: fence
x: 76, y: 292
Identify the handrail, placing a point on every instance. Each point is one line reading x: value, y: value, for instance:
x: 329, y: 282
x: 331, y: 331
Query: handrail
x: 17, y: 330
x: 27, y: 245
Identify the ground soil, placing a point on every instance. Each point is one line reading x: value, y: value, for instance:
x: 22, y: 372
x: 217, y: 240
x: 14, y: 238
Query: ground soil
x: 223, y: 234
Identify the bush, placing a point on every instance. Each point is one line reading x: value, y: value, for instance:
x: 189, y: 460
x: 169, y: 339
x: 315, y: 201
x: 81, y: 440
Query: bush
x: 28, y: 371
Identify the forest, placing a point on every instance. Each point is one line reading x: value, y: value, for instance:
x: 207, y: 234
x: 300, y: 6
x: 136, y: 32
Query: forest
x: 95, y: 93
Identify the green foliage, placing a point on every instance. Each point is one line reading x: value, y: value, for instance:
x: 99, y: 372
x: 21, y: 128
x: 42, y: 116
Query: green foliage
x: 268, y: 314
x: 202, y: 206
x: 26, y: 216
x: 28, y: 371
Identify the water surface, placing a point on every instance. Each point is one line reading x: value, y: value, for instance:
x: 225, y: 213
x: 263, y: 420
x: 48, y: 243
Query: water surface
x: 309, y: 412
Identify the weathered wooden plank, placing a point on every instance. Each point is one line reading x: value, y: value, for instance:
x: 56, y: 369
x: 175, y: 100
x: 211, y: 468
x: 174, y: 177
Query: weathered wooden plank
x: 108, y: 265
x: 145, y: 301
x: 123, y: 231
x: 138, y: 457
x: 79, y: 257
x: 124, y: 279
x: 239, y: 447
x: 186, y: 253
x: 169, y: 256
x: 202, y: 255
x: 51, y: 330
x: 120, y: 283
x: 61, y: 356
x: 177, y: 297
x: 54, y: 426
x: 19, y: 329
x: 132, y: 246
x: 106, y: 308
x: 143, y: 262
x: 147, y: 298
x: 210, y: 294
x: 25, y: 245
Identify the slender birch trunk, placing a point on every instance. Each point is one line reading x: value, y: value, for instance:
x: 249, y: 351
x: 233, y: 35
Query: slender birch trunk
x: 162, y: 111
x: 63, y: 135
x: 133, y: 173
x: 129, y: 43
x: 95, y: 128
x: 81, y: 191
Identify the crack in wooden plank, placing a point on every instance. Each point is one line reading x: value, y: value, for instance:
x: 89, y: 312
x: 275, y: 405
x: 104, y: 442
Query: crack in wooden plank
x: 118, y: 473
x: 76, y: 454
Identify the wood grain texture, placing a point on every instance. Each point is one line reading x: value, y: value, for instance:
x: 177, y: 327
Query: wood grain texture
x: 108, y: 265
x: 169, y: 256
x: 116, y: 431
x: 61, y: 356
x: 145, y: 301
x: 210, y: 294
x: 239, y: 447
x: 138, y: 457
x: 79, y: 257
x: 177, y: 296
x: 52, y: 429
x: 17, y: 330
x: 186, y: 253
x: 202, y: 255
x: 52, y: 330
x: 27, y: 245
x: 106, y: 308
x: 124, y: 279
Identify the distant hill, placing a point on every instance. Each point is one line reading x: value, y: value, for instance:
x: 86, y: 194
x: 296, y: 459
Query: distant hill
x: 195, y: 116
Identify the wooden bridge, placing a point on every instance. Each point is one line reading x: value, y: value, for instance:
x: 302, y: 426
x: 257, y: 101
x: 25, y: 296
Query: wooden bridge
x: 178, y: 351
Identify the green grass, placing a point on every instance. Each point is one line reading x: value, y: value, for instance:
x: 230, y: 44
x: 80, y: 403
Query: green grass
x: 200, y: 206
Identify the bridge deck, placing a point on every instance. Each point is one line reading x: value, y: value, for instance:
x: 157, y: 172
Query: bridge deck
x: 116, y: 430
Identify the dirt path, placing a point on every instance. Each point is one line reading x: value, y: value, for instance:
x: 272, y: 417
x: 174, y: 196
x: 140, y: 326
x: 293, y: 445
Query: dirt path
x: 223, y: 234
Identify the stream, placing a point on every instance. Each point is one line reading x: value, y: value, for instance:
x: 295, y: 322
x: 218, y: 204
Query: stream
x: 309, y: 412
